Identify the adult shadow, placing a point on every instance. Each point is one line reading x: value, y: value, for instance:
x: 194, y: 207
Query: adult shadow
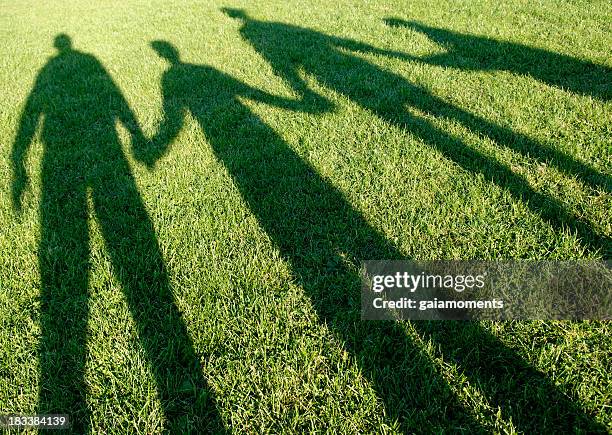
x: 291, y: 50
x: 478, y: 53
x: 324, y: 239
x: 471, y: 52
x: 78, y: 105
x: 309, y: 221
x: 332, y: 61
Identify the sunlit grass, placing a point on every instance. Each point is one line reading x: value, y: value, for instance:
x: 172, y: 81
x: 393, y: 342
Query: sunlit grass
x: 268, y: 290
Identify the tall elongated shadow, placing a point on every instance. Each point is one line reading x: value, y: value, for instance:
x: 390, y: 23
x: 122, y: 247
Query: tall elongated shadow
x: 472, y: 52
x: 291, y: 49
x: 478, y: 53
x: 309, y: 221
x: 323, y: 238
x: 329, y: 59
x: 79, y: 105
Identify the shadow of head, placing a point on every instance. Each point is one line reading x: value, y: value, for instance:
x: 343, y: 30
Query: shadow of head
x: 239, y: 14
x: 166, y: 51
x: 63, y: 43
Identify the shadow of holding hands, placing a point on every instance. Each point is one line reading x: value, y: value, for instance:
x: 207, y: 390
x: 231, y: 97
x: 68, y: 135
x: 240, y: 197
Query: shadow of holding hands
x: 307, y: 219
x: 524, y: 394
x: 78, y: 104
x: 474, y: 53
x: 317, y: 231
x: 477, y: 53
x: 324, y: 238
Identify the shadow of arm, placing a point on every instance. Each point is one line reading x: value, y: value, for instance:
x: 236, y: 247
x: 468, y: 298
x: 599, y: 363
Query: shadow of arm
x: 310, y: 102
x: 361, y: 47
x: 167, y: 130
x: 27, y: 128
x: 473, y: 52
x: 127, y: 117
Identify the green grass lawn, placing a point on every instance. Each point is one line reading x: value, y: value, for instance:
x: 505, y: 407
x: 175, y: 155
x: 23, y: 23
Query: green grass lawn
x: 188, y: 189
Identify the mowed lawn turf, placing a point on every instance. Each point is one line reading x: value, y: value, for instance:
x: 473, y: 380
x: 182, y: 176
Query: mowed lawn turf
x: 188, y: 189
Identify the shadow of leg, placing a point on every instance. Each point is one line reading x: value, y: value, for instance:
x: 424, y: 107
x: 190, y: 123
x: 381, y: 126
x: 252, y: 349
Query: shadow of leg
x: 505, y: 137
x: 523, y: 396
x: 523, y: 393
x: 323, y: 238
x: 547, y: 207
x: 186, y: 399
x: 64, y: 267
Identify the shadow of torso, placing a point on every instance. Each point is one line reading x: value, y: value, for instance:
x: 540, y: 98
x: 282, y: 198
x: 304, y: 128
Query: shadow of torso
x: 80, y: 104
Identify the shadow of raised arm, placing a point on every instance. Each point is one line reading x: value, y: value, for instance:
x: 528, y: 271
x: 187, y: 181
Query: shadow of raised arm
x: 472, y: 52
x: 193, y: 88
x: 310, y: 102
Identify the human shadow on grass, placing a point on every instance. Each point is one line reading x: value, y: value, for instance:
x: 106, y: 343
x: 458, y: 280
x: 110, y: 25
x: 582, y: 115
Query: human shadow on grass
x: 479, y: 53
x: 292, y: 50
x: 324, y: 238
x: 473, y: 53
x: 309, y: 221
x: 78, y: 104
x: 331, y: 60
